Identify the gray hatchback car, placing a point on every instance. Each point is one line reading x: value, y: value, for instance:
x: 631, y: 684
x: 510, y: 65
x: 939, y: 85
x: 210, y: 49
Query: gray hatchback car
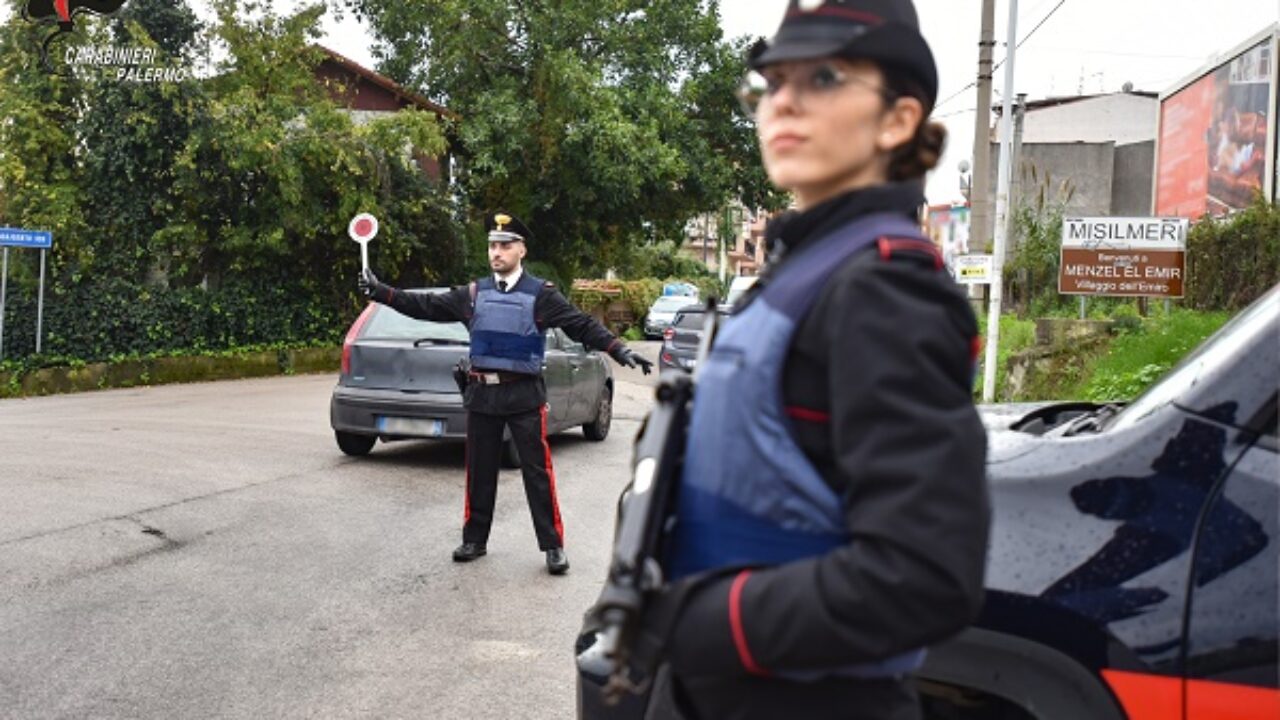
x: 396, y: 383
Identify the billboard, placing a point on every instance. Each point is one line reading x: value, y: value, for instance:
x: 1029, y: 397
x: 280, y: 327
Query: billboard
x: 1216, y: 144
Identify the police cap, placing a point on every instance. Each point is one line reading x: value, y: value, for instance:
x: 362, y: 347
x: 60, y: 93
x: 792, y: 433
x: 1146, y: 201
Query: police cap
x: 886, y: 32
x: 504, y: 228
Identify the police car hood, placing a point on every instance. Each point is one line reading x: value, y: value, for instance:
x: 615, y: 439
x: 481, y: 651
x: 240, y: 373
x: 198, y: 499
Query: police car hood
x: 1003, y: 442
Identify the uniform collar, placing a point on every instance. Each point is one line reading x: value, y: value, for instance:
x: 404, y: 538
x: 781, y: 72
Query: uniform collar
x: 794, y: 229
x: 512, y: 279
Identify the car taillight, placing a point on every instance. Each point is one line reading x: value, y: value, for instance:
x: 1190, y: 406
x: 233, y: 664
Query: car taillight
x: 669, y: 334
x: 666, y: 357
x: 352, y: 334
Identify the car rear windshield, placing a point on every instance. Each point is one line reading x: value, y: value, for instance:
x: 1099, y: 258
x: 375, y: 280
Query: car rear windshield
x: 389, y: 324
x: 688, y: 320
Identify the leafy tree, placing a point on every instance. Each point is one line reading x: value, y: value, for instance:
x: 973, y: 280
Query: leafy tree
x: 132, y: 133
x: 274, y: 170
x: 39, y: 146
x: 211, y: 213
x: 602, y: 123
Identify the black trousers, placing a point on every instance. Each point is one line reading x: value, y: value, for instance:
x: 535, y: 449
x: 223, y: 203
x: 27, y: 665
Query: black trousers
x: 484, y: 454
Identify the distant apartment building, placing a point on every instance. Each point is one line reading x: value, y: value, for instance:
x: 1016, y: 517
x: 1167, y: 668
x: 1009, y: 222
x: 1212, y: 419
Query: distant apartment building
x: 743, y: 250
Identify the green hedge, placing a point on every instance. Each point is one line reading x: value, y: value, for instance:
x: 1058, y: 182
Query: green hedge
x: 1232, y: 262
x: 108, y: 318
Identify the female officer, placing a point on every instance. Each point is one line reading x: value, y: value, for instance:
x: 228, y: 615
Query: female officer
x: 832, y: 515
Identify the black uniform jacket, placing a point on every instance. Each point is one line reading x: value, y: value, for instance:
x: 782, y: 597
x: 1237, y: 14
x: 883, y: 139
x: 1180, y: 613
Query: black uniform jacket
x: 550, y: 309
x: 878, y: 382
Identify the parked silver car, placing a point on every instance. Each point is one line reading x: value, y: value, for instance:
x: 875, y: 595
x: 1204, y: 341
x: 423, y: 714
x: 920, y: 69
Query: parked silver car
x: 662, y: 312
x: 397, y: 383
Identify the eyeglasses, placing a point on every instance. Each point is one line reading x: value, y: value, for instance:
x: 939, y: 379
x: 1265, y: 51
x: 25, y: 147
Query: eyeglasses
x: 818, y: 80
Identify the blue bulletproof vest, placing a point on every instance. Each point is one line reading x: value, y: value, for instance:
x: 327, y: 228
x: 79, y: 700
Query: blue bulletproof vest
x: 748, y: 494
x: 504, y: 329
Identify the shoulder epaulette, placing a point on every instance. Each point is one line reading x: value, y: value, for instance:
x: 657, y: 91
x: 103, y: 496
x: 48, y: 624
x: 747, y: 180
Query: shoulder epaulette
x: 910, y: 248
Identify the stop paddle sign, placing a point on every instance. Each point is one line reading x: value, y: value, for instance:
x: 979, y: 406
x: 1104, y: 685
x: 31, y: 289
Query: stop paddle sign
x: 362, y: 229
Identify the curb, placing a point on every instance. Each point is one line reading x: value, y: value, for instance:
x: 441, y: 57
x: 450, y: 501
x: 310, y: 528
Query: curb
x: 168, y: 370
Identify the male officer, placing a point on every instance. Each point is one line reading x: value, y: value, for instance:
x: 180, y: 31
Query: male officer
x: 508, y: 315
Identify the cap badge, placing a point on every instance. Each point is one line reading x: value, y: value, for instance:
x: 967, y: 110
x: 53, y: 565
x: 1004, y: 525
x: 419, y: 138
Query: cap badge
x: 501, y: 219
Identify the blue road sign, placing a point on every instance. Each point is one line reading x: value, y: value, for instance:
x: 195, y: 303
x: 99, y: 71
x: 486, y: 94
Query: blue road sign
x: 17, y: 237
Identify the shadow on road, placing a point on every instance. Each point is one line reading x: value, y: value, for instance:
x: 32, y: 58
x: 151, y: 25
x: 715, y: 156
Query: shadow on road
x: 449, y: 453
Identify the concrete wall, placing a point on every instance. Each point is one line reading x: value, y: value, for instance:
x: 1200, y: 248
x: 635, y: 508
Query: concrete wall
x: 1100, y: 178
x: 1131, y: 187
x: 1082, y: 172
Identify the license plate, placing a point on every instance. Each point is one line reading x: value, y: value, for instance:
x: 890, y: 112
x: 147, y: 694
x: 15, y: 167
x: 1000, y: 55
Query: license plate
x: 417, y: 427
x: 690, y: 363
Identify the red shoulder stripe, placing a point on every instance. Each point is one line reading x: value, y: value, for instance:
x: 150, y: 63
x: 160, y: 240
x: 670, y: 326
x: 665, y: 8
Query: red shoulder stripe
x: 890, y: 245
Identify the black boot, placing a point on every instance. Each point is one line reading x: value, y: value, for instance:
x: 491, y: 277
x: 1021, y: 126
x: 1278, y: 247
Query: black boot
x: 467, y: 552
x: 557, y: 561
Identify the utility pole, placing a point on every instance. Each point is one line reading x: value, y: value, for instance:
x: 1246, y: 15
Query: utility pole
x: 980, y: 184
x: 1002, y: 211
x: 1015, y: 180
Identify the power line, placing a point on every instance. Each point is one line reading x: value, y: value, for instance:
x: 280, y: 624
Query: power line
x: 1037, y: 27
x: 995, y: 67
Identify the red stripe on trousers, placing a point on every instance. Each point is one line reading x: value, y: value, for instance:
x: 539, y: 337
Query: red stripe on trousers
x: 551, y: 475
x: 735, y: 625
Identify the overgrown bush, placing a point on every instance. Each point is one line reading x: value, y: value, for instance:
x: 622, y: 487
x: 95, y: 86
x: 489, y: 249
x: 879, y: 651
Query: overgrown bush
x: 1031, y: 269
x: 1233, y: 261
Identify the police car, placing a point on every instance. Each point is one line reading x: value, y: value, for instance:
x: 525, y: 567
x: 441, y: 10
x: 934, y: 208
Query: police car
x: 1132, y: 569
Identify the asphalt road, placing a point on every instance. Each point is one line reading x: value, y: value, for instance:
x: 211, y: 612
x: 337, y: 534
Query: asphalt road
x: 205, y: 551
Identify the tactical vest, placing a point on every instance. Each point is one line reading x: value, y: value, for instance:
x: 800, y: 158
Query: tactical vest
x: 748, y: 494
x: 504, y: 329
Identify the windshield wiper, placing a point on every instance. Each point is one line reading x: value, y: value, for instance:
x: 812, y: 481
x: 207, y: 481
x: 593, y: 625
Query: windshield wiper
x: 439, y: 341
x: 1095, y: 421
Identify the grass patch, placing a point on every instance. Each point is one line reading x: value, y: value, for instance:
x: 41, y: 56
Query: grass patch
x: 1015, y: 336
x: 1142, y: 355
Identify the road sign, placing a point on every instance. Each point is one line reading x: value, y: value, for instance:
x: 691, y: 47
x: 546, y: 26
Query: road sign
x: 974, y: 269
x: 362, y: 229
x: 1123, y: 257
x: 17, y: 237
x: 40, y: 240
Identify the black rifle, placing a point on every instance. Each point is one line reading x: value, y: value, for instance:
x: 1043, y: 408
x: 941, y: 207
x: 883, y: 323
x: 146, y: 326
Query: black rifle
x: 645, y: 516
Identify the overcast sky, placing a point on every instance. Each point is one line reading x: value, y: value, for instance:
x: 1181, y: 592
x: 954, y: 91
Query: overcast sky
x: 1085, y: 45
x: 1090, y: 45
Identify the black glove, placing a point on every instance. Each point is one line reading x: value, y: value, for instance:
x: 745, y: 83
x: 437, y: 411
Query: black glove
x: 371, y: 288
x: 623, y: 355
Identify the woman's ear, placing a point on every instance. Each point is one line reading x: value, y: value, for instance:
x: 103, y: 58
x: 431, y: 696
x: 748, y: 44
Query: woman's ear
x: 899, y: 122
